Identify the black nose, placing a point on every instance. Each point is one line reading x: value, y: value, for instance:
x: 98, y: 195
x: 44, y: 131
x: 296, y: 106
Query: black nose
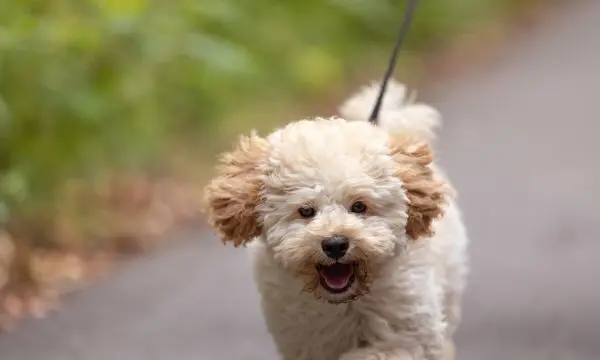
x: 335, y: 247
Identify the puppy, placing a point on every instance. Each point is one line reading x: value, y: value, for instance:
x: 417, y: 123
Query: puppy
x: 358, y: 247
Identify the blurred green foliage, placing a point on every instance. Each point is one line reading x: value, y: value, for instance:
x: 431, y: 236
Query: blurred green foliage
x: 91, y: 84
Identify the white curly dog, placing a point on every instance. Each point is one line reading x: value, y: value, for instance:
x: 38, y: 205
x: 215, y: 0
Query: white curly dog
x: 359, y: 249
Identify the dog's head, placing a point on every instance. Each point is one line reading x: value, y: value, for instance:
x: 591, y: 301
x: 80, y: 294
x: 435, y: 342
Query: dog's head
x: 333, y: 200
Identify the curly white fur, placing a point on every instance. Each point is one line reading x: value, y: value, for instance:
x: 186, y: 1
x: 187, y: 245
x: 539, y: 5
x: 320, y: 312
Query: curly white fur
x: 399, y: 112
x: 407, y: 305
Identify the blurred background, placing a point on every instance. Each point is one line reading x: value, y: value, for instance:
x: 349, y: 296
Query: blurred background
x: 112, y: 112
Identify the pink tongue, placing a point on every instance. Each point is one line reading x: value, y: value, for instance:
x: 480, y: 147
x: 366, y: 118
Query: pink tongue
x: 337, y: 282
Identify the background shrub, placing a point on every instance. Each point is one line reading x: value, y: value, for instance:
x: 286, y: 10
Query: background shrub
x: 88, y: 86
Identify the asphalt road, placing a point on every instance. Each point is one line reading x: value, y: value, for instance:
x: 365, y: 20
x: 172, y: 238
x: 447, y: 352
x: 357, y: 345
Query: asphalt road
x: 520, y: 142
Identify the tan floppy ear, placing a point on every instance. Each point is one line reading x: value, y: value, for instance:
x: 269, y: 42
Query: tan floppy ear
x: 426, y: 194
x: 232, y: 196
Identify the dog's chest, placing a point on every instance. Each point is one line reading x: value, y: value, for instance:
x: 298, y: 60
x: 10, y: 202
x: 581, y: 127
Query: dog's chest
x: 320, y: 333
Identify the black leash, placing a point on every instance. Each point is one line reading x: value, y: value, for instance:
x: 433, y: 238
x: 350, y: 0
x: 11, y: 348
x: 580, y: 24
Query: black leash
x: 408, y: 16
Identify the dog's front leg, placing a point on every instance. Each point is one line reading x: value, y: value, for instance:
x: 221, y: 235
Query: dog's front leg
x: 373, y: 353
x: 404, y: 350
x: 384, y: 353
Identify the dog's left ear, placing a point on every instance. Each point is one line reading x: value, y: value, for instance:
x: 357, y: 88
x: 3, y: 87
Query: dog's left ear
x: 426, y: 194
x: 232, y: 196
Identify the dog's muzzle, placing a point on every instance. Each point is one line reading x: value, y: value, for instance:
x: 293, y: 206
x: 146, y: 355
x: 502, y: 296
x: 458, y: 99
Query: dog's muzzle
x: 338, y: 277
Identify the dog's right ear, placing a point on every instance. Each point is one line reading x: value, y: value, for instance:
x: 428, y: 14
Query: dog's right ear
x: 232, y: 196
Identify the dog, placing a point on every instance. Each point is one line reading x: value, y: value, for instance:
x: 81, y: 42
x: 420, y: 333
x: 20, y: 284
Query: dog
x: 358, y: 247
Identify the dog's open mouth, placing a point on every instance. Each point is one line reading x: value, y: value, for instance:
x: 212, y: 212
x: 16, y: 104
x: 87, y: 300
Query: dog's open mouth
x: 336, y: 278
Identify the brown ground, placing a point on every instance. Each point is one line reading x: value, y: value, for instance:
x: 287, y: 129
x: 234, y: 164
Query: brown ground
x: 520, y: 142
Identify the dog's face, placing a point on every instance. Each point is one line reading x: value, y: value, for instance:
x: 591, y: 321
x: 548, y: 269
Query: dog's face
x: 333, y: 200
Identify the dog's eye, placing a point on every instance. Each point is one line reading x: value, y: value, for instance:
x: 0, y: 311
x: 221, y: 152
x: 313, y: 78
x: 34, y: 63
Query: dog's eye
x: 307, y: 211
x: 358, y: 207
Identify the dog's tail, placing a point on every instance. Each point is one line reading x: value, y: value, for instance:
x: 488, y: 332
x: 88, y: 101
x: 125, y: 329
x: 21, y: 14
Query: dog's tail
x: 399, y: 113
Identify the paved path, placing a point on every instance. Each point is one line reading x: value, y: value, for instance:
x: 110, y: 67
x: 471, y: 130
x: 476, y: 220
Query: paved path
x: 521, y: 143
